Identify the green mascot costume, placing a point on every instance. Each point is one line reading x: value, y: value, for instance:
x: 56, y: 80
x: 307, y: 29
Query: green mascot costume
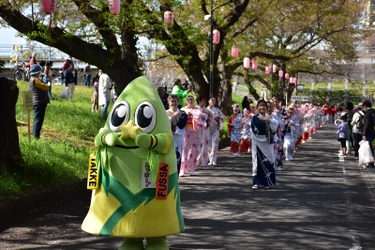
x: 134, y: 176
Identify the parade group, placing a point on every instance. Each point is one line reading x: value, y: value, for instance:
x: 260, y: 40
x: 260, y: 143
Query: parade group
x: 269, y: 131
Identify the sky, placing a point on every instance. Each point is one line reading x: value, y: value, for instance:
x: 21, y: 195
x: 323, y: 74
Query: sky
x: 8, y: 36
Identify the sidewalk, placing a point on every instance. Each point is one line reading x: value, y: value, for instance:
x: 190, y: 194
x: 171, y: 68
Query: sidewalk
x: 320, y: 201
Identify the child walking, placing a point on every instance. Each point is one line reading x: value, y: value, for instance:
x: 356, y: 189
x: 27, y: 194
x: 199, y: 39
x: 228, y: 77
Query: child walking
x: 342, y: 131
x: 234, y: 130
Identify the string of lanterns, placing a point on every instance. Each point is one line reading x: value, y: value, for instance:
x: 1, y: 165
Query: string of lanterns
x: 49, y: 7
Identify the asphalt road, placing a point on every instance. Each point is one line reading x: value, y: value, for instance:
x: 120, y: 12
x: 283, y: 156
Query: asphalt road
x: 320, y: 201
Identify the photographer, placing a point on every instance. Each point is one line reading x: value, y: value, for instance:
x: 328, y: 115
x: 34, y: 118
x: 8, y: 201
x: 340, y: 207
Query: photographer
x: 182, y: 94
x: 342, y: 131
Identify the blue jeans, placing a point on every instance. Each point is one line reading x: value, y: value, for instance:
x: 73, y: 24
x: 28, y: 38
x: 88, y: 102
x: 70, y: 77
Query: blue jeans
x: 105, y: 108
x: 87, y: 80
x: 39, y: 112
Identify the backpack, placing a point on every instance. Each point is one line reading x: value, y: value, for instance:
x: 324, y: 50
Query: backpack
x: 361, y: 121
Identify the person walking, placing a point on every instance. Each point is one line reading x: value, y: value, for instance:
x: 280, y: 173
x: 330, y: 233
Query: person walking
x: 105, y: 86
x: 40, y: 98
x: 178, y: 121
x: 368, y: 130
x: 245, y: 103
x: 263, y: 127
x: 357, y: 119
x: 87, y: 75
x: 95, y: 95
x: 214, y: 131
x: 191, y: 139
x: 234, y: 130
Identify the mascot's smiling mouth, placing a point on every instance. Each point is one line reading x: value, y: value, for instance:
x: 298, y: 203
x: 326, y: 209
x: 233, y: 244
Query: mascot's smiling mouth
x: 127, y: 147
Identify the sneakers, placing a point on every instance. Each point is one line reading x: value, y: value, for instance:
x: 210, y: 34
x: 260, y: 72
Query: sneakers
x: 236, y: 154
x: 279, y: 168
x: 210, y: 164
x: 267, y: 187
x: 182, y: 174
x: 214, y: 164
x: 355, y: 158
x: 343, y: 155
x: 255, y: 187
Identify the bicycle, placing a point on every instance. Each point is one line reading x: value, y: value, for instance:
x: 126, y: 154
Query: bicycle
x: 20, y: 72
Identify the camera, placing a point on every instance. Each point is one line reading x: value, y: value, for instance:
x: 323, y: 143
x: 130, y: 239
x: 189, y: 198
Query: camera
x: 185, y: 85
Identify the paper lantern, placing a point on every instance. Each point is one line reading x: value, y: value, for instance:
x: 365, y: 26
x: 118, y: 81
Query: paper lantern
x: 246, y: 62
x: 274, y: 68
x: 281, y: 73
x: 294, y: 80
x: 48, y: 6
x: 168, y: 17
x: 216, y: 36
x: 287, y: 76
x: 114, y: 6
x: 291, y: 80
x: 234, y: 52
x: 267, y: 70
x: 255, y: 64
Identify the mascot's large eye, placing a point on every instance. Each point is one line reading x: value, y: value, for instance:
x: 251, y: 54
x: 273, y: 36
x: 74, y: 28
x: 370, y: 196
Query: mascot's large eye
x: 119, y: 115
x: 145, y: 116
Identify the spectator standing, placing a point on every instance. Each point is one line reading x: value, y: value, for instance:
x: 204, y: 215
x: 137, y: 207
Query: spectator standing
x: 245, y: 103
x: 105, y: 86
x: 95, y: 95
x: 356, y: 128
x: 163, y: 97
x: 263, y: 127
x: 87, y: 75
x: 182, y: 94
x: 368, y: 130
x: 66, y: 65
x: 214, y: 131
x: 70, y: 80
x: 342, y: 131
x: 32, y: 61
x: 245, y: 142
x: 47, y: 77
x: 40, y: 98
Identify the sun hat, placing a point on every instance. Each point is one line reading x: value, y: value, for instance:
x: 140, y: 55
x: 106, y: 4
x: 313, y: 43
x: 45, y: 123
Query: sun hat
x: 35, y: 69
x: 33, y: 55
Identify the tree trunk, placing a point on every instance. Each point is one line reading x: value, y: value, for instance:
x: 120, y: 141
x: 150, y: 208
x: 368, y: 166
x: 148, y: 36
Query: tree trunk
x: 10, y: 154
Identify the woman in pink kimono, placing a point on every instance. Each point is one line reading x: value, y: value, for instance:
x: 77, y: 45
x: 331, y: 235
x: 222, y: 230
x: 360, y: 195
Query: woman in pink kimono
x: 191, y: 139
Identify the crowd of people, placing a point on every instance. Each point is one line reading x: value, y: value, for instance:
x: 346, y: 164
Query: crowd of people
x: 354, y: 124
x: 270, y: 132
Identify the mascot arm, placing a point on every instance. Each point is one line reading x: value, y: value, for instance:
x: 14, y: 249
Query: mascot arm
x: 160, y: 142
x: 105, y: 137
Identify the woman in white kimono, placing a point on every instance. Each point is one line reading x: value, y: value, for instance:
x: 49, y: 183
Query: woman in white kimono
x: 263, y: 128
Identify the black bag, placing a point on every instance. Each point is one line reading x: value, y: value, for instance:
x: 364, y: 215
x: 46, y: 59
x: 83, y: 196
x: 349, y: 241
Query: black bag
x: 182, y: 120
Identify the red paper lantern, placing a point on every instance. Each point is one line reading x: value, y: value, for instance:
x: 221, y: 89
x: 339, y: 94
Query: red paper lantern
x: 291, y: 80
x: 168, y: 17
x: 114, y: 6
x: 255, y: 64
x: 287, y: 76
x: 246, y: 62
x: 267, y: 70
x: 234, y: 52
x: 281, y: 73
x: 274, y: 68
x: 48, y: 6
x: 294, y: 80
x: 216, y: 36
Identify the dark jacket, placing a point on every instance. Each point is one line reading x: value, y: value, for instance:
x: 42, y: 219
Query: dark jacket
x: 39, y: 90
x: 369, y: 122
x: 70, y: 76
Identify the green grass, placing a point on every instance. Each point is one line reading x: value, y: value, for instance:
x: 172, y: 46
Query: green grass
x: 61, y: 155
